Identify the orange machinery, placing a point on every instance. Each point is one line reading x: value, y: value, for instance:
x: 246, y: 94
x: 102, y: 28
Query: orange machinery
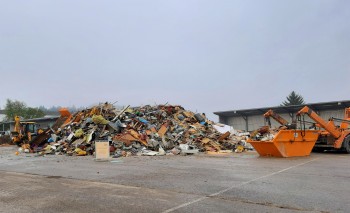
x: 65, y: 118
x: 287, y: 142
x: 278, y: 118
x: 275, y: 116
x: 24, y: 131
x: 336, y: 137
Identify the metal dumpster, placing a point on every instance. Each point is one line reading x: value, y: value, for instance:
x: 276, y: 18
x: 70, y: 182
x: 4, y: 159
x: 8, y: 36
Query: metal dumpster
x: 287, y: 143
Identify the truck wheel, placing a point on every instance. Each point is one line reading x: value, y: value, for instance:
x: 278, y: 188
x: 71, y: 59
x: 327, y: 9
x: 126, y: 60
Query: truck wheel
x: 318, y: 149
x: 346, y: 144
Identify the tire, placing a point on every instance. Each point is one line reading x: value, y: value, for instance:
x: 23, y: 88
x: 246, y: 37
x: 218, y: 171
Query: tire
x: 318, y: 149
x: 346, y: 144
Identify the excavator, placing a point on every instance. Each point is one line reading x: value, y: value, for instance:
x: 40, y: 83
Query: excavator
x: 332, y: 136
x: 29, y: 132
x: 24, y: 131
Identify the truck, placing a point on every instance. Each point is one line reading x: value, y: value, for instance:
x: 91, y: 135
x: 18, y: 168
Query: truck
x: 331, y: 136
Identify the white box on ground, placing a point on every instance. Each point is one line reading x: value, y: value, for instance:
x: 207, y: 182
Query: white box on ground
x: 102, y: 150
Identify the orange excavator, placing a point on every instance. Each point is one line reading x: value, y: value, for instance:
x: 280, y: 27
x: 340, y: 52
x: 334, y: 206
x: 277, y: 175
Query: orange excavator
x: 24, y: 131
x: 335, y: 137
x: 29, y: 132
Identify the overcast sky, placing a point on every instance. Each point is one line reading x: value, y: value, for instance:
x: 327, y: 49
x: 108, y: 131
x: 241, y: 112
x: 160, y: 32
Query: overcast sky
x: 205, y: 55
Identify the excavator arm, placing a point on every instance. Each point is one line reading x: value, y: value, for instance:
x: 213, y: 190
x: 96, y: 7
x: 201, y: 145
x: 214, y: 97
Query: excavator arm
x: 339, y: 134
x: 17, y: 131
x: 329, y: 126
x: 275, y: 116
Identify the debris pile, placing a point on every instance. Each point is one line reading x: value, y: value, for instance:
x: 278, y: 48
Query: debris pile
x: 5, y: 140
x: 265, y: 133
x: 146, y: 130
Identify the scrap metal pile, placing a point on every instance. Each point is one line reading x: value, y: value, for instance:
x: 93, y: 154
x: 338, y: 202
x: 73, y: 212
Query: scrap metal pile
x: 265, y: 133
x: 146, y: 130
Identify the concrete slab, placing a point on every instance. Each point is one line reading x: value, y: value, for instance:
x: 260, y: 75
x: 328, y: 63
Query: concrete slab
x: 203, y: 183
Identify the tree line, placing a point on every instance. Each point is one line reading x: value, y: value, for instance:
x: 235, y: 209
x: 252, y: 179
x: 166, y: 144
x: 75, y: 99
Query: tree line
x: 19, y: 108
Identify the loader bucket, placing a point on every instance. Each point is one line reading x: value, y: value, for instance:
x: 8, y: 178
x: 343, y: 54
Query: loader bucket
x: 287, y: 143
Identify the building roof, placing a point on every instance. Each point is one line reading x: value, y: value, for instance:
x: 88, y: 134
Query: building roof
x: 35, y: 119
x: 43, y: 119
x: 285, y: 109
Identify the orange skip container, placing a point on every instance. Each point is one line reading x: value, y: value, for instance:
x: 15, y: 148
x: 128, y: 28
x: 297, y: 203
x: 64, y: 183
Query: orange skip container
x: 287, y: 143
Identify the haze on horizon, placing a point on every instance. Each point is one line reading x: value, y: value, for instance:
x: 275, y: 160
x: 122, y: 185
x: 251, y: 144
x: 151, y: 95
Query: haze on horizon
x: 204, y: 55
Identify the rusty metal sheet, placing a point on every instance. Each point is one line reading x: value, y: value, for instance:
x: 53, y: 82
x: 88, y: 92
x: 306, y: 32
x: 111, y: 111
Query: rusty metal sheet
x: 224, y: 136
x: 163, y: 129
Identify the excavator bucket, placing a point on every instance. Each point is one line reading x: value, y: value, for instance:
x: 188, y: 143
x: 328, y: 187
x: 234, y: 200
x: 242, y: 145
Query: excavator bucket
x: 287, y: 143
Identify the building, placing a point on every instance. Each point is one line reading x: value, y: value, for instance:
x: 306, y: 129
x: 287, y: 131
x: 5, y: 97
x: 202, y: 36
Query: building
x: 2, y: 115
x: 251, y: 119
x: 43, y: 123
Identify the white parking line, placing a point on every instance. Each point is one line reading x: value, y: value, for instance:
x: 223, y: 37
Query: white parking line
x: 235, y: 186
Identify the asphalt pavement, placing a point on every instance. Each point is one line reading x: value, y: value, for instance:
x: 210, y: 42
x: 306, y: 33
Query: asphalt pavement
x: 202, y: 183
